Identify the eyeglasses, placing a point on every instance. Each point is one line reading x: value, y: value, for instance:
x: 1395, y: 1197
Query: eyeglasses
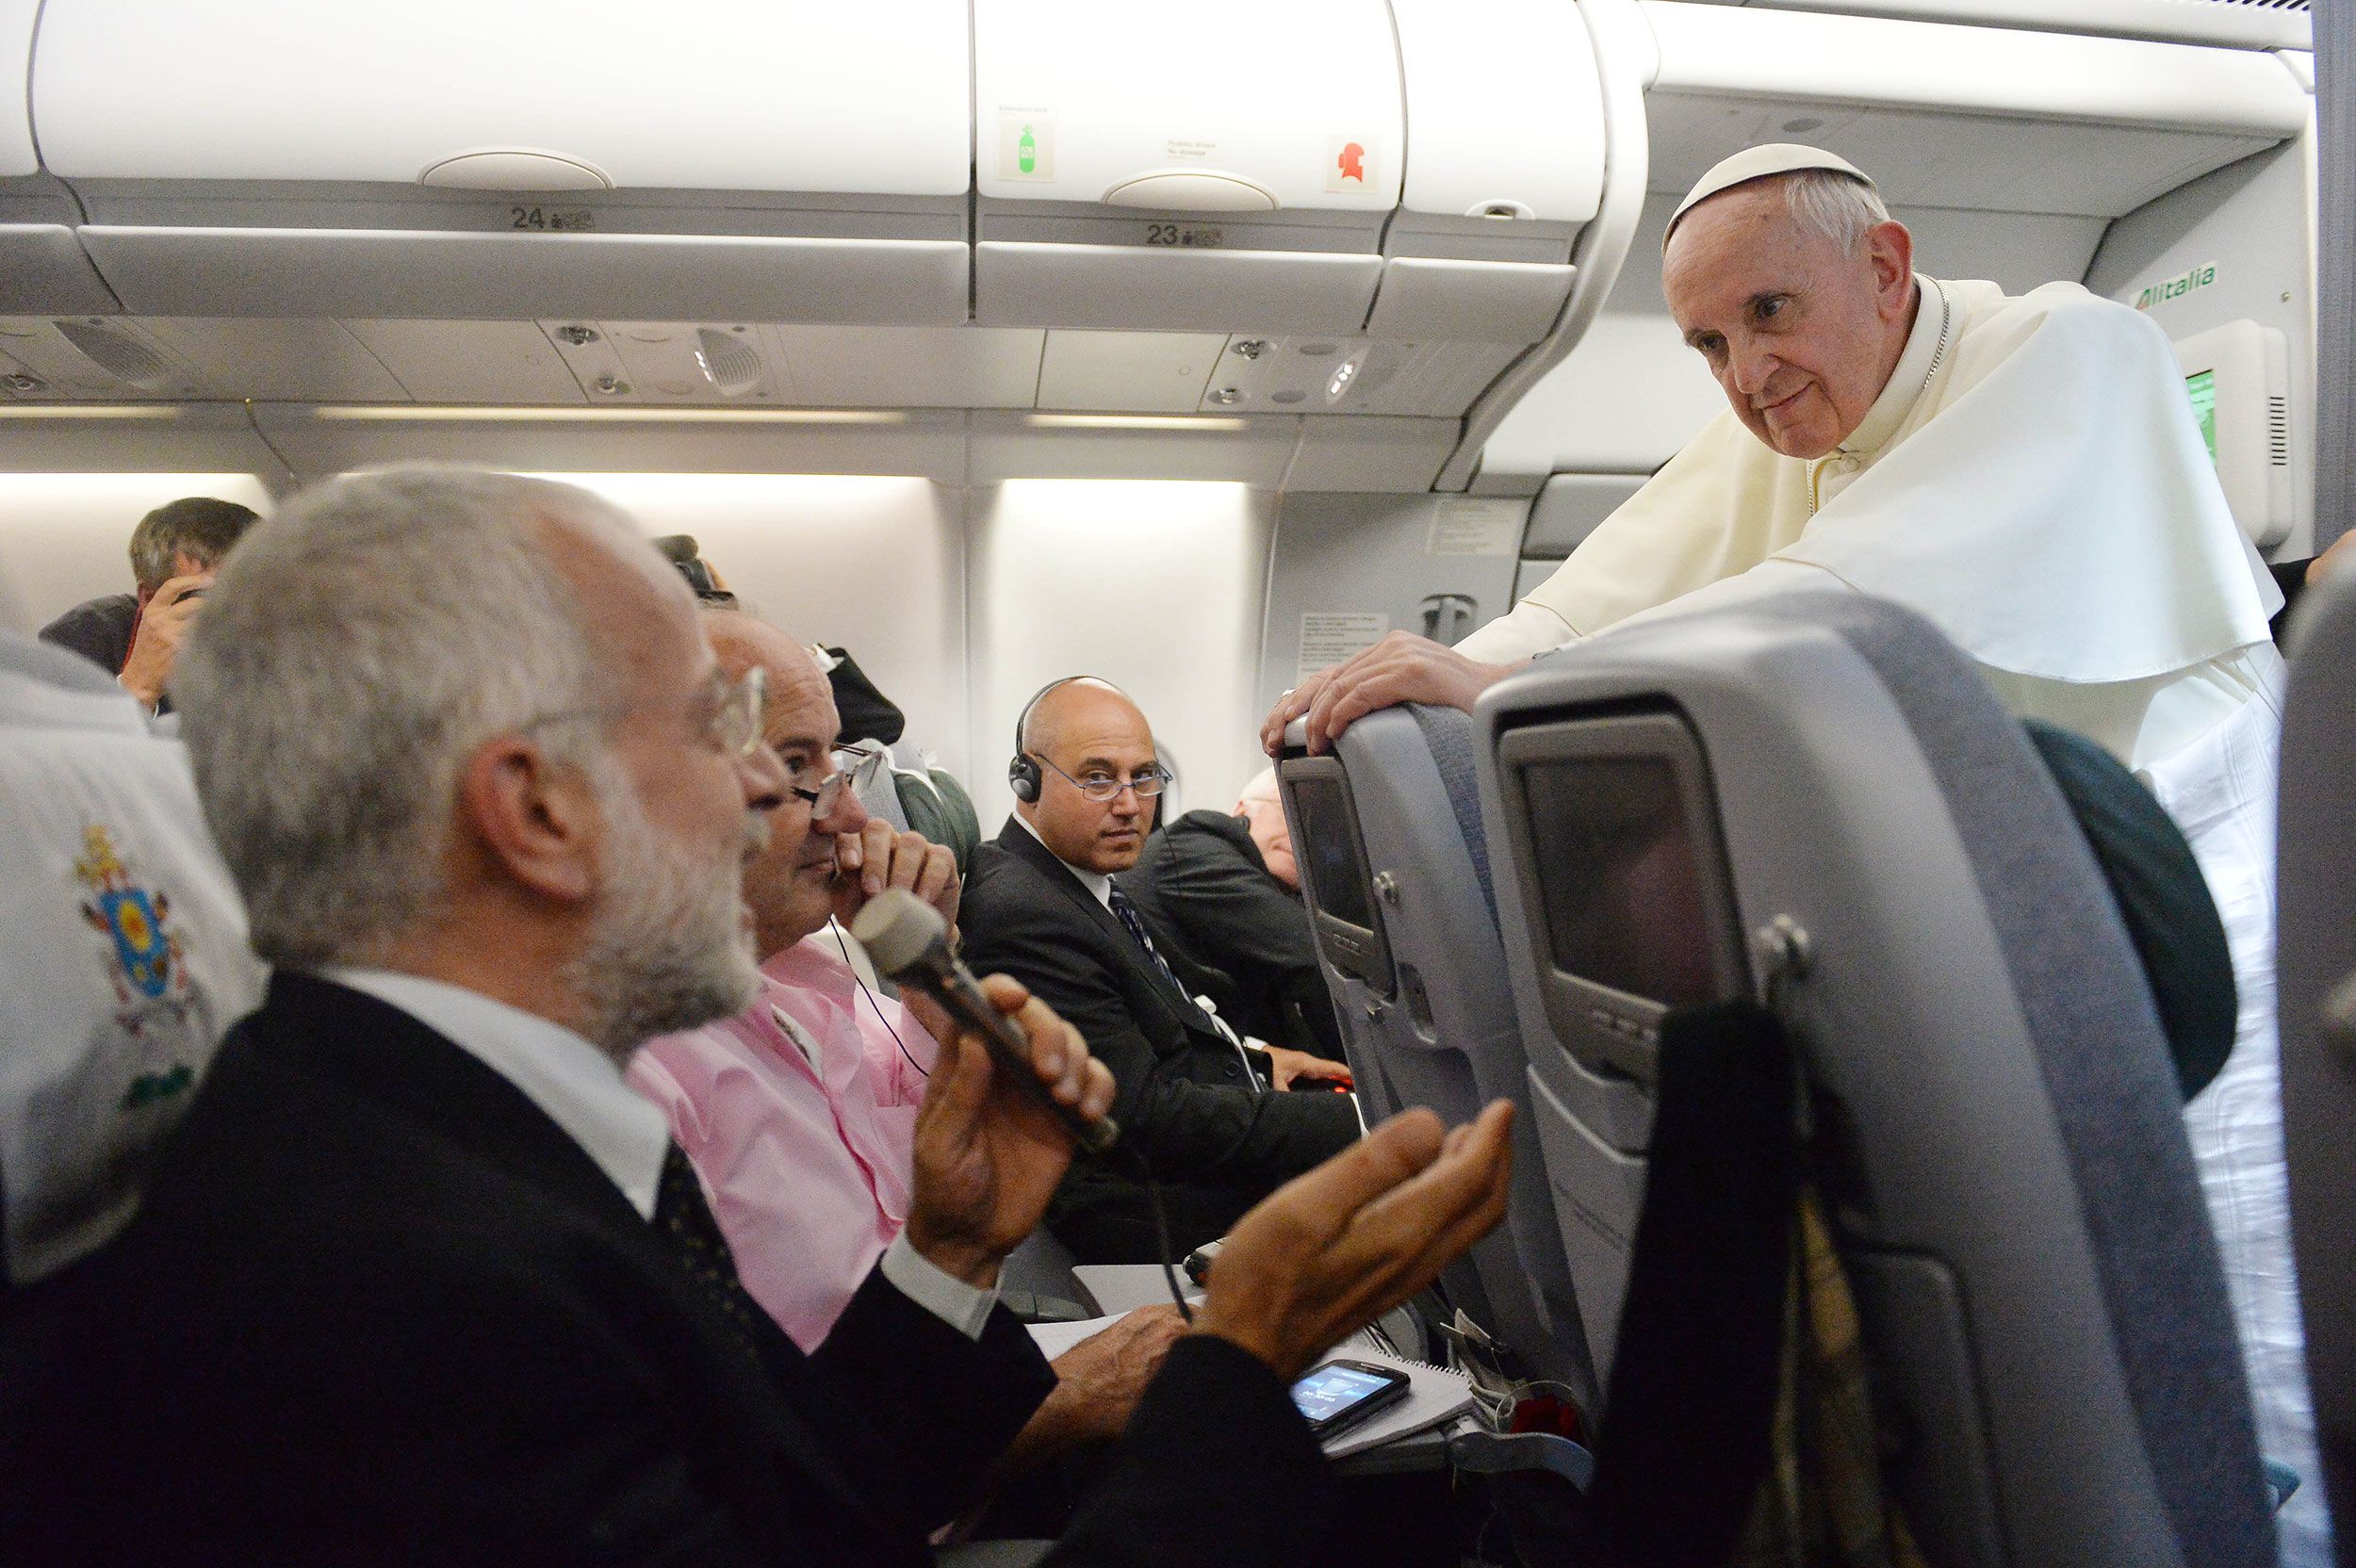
x: 730, y: 720
x: 847, y: 768
x: 1104, y: 786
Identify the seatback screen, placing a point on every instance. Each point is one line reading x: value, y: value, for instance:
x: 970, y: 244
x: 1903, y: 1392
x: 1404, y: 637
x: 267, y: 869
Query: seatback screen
x: 1326, y: 839
x: 1620, y: 872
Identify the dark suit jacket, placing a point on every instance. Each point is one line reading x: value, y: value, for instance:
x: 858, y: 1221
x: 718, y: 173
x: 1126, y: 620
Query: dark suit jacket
x: 1184, y: 1100
x: 1205, y: 892
x: 99, y: 630
x: 378, y: 1308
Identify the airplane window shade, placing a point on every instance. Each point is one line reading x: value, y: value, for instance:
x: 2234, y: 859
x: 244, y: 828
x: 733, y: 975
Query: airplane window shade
x: 1332, y: 859
x: 1620, y: 875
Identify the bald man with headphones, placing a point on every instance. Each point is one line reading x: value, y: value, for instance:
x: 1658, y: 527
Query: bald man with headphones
x: 1043, y: 906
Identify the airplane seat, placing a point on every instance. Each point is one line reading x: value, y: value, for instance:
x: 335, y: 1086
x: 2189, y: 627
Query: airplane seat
x: 122, y: 955
x: 1393, y: 857
x: 2316, y: 864
x: 1038, y: 1280
x: 937, y: 807
x: 876, y: 785
x: 1812, y: 800
x: 1449, y: 732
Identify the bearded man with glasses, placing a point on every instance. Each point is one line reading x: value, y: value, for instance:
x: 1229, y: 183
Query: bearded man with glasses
x: 1041, y: 905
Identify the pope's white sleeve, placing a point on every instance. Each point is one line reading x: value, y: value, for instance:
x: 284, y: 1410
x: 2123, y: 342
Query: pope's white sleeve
x: 1529, y: 632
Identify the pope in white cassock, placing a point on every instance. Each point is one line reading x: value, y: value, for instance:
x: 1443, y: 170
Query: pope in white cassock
x: 2026, y: 473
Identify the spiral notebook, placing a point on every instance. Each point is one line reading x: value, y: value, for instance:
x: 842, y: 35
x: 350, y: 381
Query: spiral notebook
x: 1435, y: 1394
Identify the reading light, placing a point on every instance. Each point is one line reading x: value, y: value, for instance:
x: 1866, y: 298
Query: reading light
x: 656, y: 414
x: 1135, y: 421
x: 90, y: 411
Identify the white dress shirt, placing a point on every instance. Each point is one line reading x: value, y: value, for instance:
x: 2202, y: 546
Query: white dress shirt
x: 1096, y: 882
x: 581, y: 1089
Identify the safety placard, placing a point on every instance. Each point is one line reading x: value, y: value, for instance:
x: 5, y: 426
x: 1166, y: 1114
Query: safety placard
x: 1331, y: 636
x: 1348, y: 165
x: 1467, y: 525
x: 1027, y: 146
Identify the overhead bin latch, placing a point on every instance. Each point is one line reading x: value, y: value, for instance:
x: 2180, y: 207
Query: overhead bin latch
x: 1192, y: 190
x: 514, y: 169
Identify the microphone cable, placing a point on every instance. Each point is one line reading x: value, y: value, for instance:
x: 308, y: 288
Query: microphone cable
x: 1161, y: 1230
x: 1166, y: 1253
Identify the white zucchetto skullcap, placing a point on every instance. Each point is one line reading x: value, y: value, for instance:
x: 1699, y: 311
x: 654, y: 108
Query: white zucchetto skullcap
x: 1758, y: 163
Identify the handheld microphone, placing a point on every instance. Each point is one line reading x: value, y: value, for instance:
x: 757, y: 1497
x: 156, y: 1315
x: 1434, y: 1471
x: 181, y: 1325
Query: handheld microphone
x: 909, y: 942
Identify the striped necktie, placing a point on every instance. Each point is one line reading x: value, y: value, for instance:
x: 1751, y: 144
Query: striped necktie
x: 1126, y: 914
x: 686, y: 1222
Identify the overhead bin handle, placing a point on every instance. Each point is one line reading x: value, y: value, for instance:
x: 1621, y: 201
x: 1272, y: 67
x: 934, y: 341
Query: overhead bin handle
x: 1503, y: 207
x: 514, y: 169
x: 1192, y: 190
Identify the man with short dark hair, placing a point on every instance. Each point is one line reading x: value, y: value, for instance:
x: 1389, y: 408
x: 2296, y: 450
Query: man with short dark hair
x: 134, y: 637
x: 1043, y: 906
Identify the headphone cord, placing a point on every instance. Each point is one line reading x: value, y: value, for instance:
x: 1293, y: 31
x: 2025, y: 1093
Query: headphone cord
x: 845, y: 944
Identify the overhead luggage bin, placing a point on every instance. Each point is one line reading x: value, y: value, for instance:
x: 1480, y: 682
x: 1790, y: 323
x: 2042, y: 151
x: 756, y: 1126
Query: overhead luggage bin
x: 1982, y: 119
x: 1241, y: 167
x: 788, y: 160
x: 1229, y: 164
x: 2239, y: 23
x: 41, y: 265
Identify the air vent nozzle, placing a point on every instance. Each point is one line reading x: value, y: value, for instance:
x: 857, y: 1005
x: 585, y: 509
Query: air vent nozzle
x: 728, y: 362
x: 120, y: 354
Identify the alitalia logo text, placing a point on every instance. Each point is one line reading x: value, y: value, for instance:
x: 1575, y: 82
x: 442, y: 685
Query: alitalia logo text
x: 2177, y: 287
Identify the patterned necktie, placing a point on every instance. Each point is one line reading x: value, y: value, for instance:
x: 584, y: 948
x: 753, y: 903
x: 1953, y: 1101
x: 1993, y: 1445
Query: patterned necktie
x: 686, y: 1222
x: 1126, y: 914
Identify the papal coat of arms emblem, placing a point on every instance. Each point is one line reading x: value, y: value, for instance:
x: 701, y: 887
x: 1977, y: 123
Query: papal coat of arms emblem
x: 142, y: 956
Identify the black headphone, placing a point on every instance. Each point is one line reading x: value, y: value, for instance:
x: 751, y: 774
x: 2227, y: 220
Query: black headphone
x: 1022, y: 775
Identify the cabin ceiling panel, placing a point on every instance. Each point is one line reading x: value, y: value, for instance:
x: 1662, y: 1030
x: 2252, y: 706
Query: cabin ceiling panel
x: 472, y: 362
x: 1141, y: 372
x: 909, y: 367
x: 1357, y: 376
x: 1371, y: 454
x: 1010, y: 446
x: 296, y: 361
x: 1626, y: 400
x: 1929, y: 158
x: 320, y: 442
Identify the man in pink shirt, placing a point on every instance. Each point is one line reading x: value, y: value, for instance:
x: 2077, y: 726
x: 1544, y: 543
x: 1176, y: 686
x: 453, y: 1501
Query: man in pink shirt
x: 799, y: 1113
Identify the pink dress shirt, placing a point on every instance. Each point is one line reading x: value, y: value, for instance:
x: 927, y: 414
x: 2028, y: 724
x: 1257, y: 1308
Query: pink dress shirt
x: 806, y: 1166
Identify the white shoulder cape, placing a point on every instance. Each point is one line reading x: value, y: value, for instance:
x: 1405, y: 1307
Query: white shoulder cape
x: 2047, y: 502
